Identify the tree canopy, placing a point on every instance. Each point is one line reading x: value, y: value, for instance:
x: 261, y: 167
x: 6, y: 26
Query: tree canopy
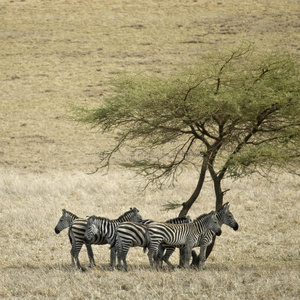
x: 231, y: 114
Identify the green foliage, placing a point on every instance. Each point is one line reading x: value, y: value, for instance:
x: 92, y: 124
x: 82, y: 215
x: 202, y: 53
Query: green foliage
x: 241, y: 110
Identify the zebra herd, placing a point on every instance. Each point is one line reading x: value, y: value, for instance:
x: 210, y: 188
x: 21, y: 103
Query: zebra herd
x: 130, y: 230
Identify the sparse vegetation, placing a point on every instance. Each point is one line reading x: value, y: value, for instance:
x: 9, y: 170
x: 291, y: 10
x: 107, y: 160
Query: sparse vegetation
x: 55, y: 54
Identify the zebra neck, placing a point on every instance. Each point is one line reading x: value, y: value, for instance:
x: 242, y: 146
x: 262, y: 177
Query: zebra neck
x: 220, y: 215
x: 125, y: 217
x: 72, y: 217
x: 201, y: 223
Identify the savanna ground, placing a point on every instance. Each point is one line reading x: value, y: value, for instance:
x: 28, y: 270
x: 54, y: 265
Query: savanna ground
x: 55, y: 54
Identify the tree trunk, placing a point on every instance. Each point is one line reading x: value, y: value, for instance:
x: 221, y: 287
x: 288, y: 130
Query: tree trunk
x: 188, y: 204
x: 219, y: 202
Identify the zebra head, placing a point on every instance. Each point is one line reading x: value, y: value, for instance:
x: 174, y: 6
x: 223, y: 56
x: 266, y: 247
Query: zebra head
x: 65, y: 221
x: 213, y: 224
x: 91, y: 229
x: 226, y: 217
x: 136, y: 217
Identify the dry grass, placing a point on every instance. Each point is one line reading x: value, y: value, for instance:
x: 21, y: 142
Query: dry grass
x: 55, y: 54
x: 260, y: 261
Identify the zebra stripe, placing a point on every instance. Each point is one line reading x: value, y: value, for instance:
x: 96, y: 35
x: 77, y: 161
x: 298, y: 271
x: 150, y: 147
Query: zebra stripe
x: 187, y: 235
x: 66, y: 221
x: 77, y: 228
x: 134, y: 234
x: 223, y: 215
x: 103, y: 231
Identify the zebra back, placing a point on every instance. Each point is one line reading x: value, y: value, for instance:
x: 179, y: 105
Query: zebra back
x: 103, y: 230
x: 177, y: 234
x: 132, y: 233
x: 178, y: 220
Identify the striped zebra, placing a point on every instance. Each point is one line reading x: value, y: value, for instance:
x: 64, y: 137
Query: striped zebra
x: 76, y: 236
x: 223, y: 215
x: 131, y: 234
x: 66, y: 221
x: 188, y: 235
x: 102, y: 231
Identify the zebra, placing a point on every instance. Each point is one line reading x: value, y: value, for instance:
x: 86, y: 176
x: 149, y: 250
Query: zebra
x: 76, y: 236
x: 188, y: 235
x: 103, y: 231
x: 66, y: 221
x: 223, y: 215
x: 177, y: 220
x: 131, y: 234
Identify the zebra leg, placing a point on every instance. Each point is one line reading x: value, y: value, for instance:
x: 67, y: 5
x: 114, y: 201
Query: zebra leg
x: 124, y: 255
x: 187, y: 254
x: 91, y: 255
x: 75, y: 253
x: 119, y: 247
x: 169, y: 251
x: 201, y: 265
x: 113, y: 255
x: 159, y: 257
x: 73, y: 247
x: 152, y: 253
x: 150, y: 256
x: 76, y: 247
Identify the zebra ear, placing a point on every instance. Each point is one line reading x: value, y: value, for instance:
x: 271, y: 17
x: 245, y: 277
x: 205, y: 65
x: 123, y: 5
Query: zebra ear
x: 226, y: 205
x: 91, y: 219
x: 134, y: 209
x: 63, y: 211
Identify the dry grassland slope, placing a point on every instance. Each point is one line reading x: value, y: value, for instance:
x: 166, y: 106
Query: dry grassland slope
x: 59, y: 53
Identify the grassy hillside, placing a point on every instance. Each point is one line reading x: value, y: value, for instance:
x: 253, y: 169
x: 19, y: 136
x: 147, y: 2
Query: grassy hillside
x: 55, y: 54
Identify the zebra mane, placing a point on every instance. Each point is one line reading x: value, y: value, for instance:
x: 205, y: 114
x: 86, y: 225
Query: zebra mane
x: 66, y: 212
x: 180, y: 219
x: 204, y: 216
x: 133, y: 210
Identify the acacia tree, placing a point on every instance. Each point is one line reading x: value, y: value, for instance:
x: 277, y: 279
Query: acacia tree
x: 232, y: 115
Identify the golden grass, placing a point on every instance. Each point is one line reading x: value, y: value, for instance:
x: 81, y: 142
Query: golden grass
x: 259, y: 261
x: 55, y: 54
